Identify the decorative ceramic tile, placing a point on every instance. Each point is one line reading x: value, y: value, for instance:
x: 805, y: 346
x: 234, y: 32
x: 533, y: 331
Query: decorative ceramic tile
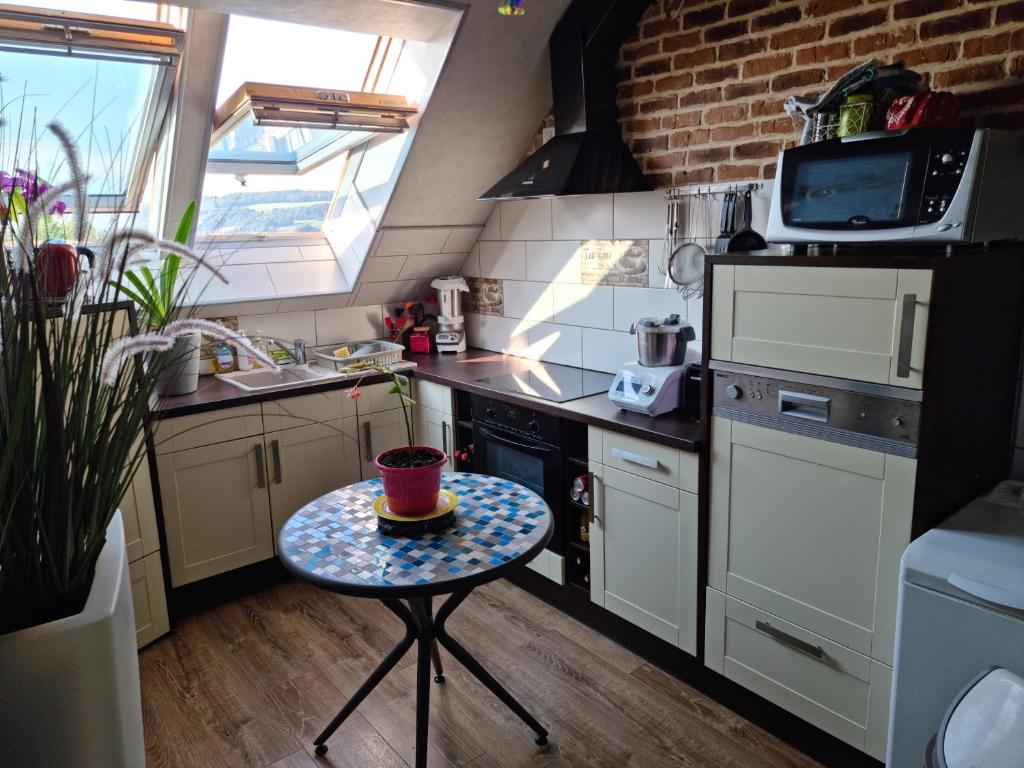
x: 335, y: 537
x: 615, y: 262
x: 486, y: 296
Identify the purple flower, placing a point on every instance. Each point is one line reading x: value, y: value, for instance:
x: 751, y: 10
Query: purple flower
x: 58, y: 208
x: 30, y: 186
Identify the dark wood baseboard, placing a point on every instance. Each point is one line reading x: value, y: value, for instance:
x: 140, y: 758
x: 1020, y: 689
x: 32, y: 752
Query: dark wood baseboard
x: 192, y: 598
x: 798, y: 733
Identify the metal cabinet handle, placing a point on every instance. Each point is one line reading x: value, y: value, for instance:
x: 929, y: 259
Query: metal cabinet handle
x: 906, y: 336
x: 261, y: 469
x: 805, y: 406
x: 793, y: 642
x: 367, y: 441
x: 444, y: 437
x: 592, y: 481
x: 635, y: 458
x: 275, y: 452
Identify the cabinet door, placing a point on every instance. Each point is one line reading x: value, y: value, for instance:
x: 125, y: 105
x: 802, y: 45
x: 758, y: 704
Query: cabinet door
x: 138, y: 510
x: 810, y: 531
x: 148, y: 600
x: 643, y: 554
x: 377, y: 397
x: 377, y: 433
x: 853, y: 323
x: 304, y: 410
x: 307, y: 462
x: 434, y: 429
x: 437, y: 397
x: 216, y: 508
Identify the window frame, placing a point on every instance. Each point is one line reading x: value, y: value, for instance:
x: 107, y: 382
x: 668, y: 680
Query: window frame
x: 42, y: 32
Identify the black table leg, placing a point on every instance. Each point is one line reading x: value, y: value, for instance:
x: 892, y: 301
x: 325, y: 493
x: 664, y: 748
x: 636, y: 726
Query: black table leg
x: 434, y: 651
x: 411, y: 632
x: 466, y: 659
x: 423, y: 654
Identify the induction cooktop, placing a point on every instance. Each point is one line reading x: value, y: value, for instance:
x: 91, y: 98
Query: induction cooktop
x: 557, y: 383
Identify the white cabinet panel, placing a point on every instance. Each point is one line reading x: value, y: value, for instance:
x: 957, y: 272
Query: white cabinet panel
x: 307, y: 462
x: 437, y: 397
x: 434, y: 429
x: 643, y: 554
x: 216, y: 508
x: 219, y: 426
x: 377, y: 433
x: 843, y: 322
x: 138, y: 510
x: 376, y: 397
x: 810, y: 531
x: 650, y: 460
x: 148, y: 599
x: 304, y: 410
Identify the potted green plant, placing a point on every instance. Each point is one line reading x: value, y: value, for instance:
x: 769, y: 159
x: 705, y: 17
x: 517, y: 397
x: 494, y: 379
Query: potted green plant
x: 411, y: 475
x: 158, y: 300
x: 75, y: 388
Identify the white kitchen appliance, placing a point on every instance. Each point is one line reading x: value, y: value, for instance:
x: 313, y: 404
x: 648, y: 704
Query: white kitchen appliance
x: 451, y: 332
x: 650, y: 390
x: 961, y: 613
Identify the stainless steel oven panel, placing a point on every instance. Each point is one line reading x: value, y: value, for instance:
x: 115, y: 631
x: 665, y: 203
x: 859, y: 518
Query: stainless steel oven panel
x: 984, y: 207
x: 837, y: 414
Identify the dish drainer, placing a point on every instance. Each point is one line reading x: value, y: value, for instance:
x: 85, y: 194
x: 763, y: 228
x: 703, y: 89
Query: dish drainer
x: 373, y: 351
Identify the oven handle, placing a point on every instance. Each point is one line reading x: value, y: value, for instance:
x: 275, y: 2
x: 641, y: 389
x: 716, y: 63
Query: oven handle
x: 537, y: 450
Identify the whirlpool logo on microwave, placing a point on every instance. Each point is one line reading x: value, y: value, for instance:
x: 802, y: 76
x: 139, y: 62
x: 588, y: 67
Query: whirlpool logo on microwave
x: 858, y: 221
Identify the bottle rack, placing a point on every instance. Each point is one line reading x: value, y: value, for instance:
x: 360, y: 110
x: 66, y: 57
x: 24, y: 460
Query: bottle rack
x: 577, y: 513
x: 463, y: 433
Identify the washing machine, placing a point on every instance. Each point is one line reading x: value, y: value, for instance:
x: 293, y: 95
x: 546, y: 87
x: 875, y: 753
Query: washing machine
x: 961, y: 613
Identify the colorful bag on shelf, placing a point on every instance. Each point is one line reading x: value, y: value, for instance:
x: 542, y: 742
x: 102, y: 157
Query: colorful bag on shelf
x: 932, y: 109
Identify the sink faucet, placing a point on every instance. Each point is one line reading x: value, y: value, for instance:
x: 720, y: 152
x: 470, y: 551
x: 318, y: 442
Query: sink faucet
x: 298, y: 353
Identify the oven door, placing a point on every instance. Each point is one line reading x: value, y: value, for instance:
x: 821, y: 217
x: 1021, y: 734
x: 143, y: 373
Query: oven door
x: 530, y: 463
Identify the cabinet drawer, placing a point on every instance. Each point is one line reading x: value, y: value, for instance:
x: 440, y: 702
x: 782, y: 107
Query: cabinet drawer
x: 863, y: 324
x: 437, y: 397
x: 148, y: 599
x: 650, y: 460
x: 220, y: 426
x: 307, y: 409
x: 838, y: 690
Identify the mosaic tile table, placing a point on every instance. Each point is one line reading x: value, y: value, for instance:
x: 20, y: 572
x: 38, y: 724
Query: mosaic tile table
x: 333, y: 542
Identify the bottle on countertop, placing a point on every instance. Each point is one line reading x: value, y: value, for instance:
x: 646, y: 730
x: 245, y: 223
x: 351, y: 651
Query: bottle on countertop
x: 262, y: 347
x: 246, y: 362
x: 223, y: 359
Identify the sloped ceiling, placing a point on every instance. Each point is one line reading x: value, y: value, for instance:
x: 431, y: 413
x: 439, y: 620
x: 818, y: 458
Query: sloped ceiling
x: 493, y: 93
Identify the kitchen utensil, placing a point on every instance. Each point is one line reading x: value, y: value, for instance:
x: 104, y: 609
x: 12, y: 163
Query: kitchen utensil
x: 686, y: 264
x: 662, y: 342
x: 747, y: 239
x: 449, y: 295
x: 728, y: 209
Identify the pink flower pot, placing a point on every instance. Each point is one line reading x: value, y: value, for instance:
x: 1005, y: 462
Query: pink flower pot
x: 412, y: 491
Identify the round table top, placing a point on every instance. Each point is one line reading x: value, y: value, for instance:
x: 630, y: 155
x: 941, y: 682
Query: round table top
x: 334, y: 543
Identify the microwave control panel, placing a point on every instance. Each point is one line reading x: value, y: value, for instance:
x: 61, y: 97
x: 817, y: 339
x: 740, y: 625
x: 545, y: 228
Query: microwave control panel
x: 815, y: 406
x: 946, y: 163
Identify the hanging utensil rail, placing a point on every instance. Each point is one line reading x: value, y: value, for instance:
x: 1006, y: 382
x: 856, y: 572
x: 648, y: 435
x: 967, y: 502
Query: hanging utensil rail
x: 710, y: 190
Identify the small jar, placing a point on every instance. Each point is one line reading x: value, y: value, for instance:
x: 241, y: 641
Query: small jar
x: 855, y: 114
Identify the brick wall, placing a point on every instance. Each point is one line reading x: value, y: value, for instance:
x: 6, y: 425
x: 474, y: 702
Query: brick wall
x: 702, y: 82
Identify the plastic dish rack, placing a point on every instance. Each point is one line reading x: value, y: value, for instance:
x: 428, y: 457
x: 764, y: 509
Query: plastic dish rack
x: 376, y: 352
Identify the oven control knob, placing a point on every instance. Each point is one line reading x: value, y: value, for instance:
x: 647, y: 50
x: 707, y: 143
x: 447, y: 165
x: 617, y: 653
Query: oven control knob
x: 897, y: 422
x: 947, y: 159
x: 733, y: 392
x: 534, y: 426
x: 491, y: 413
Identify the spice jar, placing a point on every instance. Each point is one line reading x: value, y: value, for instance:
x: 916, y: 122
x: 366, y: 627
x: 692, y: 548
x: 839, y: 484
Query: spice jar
x: 855, y: 114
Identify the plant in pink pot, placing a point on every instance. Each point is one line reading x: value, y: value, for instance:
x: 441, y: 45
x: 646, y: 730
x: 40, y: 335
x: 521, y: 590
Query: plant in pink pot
x: 411, y: 474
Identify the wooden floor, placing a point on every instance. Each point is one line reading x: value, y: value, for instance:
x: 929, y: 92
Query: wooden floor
x: 252, y: 682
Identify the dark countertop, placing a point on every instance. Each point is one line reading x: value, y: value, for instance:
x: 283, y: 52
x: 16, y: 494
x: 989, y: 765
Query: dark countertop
x: 884, y: 255
x: 459, y: 372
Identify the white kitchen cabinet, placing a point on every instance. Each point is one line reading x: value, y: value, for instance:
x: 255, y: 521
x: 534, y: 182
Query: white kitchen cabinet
x: 379, y: 432
x: 810, y: 531
x: 436, y: 397
x: 306, y: 410
x: 643, y: 553
x: 216, y: 508
x: 434, y: 429
x: 138, y: 510
x: 148, y: 599
x: 853, y: 323
x: 184, y: 432
x: 843, y: 692
x: 306, y: 462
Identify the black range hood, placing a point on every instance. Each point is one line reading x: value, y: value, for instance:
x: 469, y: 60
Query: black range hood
x: 587, y: 154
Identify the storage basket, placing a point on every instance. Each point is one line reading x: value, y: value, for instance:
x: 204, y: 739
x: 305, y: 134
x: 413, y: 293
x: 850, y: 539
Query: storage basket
x: 376, y: 352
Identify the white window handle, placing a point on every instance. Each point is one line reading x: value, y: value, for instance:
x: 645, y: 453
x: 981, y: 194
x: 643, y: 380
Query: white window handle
x: 635, y: 458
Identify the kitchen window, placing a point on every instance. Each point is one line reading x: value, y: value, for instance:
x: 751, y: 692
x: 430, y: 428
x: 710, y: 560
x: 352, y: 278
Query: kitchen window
x: 107, y: 78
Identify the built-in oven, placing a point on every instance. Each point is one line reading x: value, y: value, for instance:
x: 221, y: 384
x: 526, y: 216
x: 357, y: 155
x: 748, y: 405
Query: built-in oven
x: 530, y: 448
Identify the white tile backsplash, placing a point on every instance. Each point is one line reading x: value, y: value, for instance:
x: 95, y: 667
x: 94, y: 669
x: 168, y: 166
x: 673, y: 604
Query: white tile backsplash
x: 432, y: 265
x: 471, y: 266
x: 553, y: 261
x: 503, y: 261
x: 406, y: 240
x: 582, y: 217
x: 286, y: 326
x: 387, y: 293
x: 349, y: 324
x: 504, y: 334
x: 526, y: 219
x: 554, y: 343
x: 640, y: 215
x: 492, y: 227
x: 462, y: 239
x: 607, y: 350
x: 378, y: 269
x: 531, y: 301
x: 633, y: 303
x: 586, y: 305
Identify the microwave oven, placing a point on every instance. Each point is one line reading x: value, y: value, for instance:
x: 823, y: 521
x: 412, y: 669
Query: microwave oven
x: 929, y: 185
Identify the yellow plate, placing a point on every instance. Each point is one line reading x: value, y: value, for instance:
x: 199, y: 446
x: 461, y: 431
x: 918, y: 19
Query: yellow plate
x: 446, y: 502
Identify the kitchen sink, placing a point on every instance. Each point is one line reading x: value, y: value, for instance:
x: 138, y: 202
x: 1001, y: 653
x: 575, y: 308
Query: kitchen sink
x: 261, y: 380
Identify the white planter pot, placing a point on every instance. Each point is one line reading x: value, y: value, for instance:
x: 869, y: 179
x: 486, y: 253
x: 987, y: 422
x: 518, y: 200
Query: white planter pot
x: 69, y: 689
